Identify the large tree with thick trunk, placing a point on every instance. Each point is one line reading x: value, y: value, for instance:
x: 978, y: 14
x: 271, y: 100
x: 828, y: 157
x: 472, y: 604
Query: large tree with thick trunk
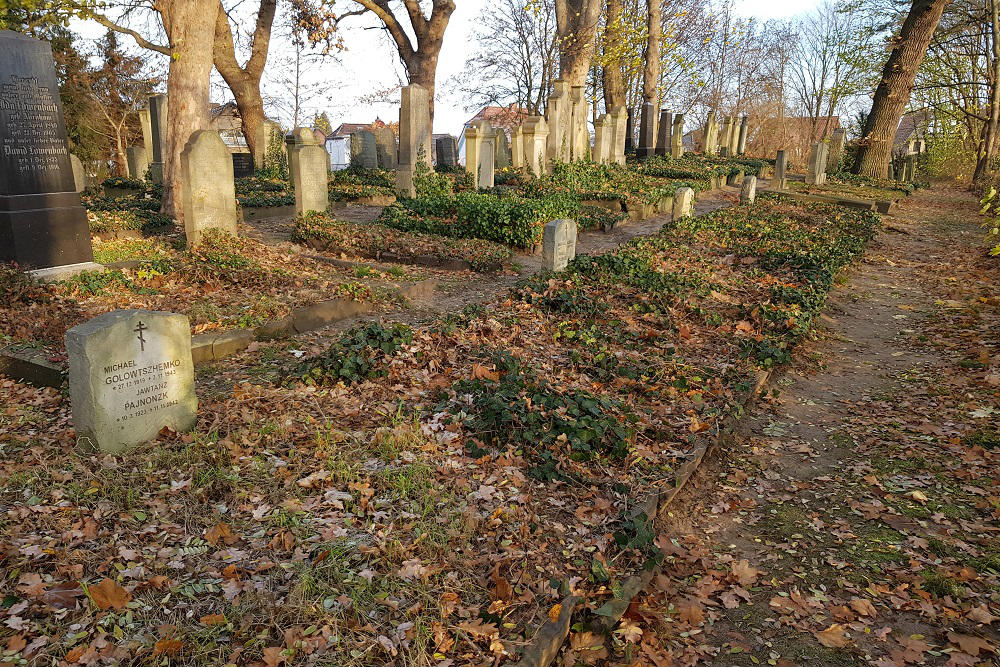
x: 576, y: 26
x: 893, y: 91
x: 611, y: 44
x: 651, y: 66
x: 244, y: 81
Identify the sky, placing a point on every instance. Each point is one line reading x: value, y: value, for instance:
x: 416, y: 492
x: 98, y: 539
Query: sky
x: 344, y: 87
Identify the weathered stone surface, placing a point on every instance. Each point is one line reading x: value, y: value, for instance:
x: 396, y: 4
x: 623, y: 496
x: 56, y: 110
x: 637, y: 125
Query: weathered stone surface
x: 711, y: 137
x: 647, y: 136
x: 41, y: 221
x: 603, y: 135
x: 677, y: 137
x: 619, y: 135
x: 558, y: 244
x: 447, y: 151
x: 579, y: 135
x: 741, y: 141
x: 137, y: 162
x: 318, y: 315
x: 836, y: 155
x: 146, y: 123
x: 780, y: 169
x: 209, y: 196
x: 630, y: 131
x: 480, y: 147
x: 31, y: 365
x: 559, y: 119
x: 502, y: 156
x: 158, y: 129
x: 683, y: 203
x: 414, y: 136
x: 816, y: 175
x: 735, y: 179
x: 517, y: 147
x: 309, y: 178
x: 748, y: 193
x: 130, y: 375
x: 364, y: 149
x: 663, y: 132
x: 535, y: 139
x: 385, y: 147
x: 79, y: 175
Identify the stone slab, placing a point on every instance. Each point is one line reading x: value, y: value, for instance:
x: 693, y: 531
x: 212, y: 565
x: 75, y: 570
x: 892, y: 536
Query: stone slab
x: 54, y: 274
x: 31, y: 366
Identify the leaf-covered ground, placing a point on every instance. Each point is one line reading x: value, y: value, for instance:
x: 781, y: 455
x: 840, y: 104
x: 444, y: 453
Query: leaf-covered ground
x: 426, y: 497
x: 858, y: 521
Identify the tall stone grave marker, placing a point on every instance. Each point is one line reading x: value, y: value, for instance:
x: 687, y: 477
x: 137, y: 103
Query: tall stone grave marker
x: 385, y: 147
x: 209, y: 195
x: 517, y: 147
x: 741, y: 141
x: 780, y: 167
x: 630, y: 131
x: 535, y: 137
x: 619, y: 135
x: 502, y: 158
x: 414, y: 136
x: 748, y: 193
x: 307, y: 169
x: 146, y: 123
x: 683, y: 200
x: 677, y: 137
x: 603, y: 134
x: 711, y: 138
x: 364, y: 150
x: 559, y: 119
x: 480, y: 149
x: 579, y: 140
x: 837, y: 141
x: 158, y: 129
x: 447, y: 151
x: 558, y: 244
x: 42, y: 224
x: 647, y: 133
x: 130, y: 375
x: 138, y: 163
x: 817, y: 164
x: 663, y: 132
x: 726, y: 136
x: 79, y: 175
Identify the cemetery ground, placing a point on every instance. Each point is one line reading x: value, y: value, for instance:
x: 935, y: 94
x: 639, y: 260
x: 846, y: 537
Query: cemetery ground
x: 394, y: 494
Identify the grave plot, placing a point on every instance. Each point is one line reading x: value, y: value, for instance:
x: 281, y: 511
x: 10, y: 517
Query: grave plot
x: 365, y: 186
x: 127, y: 209
x: 450, y: 482
x: 850, y: 185
x: 225, y: 283
x: 262, y: 198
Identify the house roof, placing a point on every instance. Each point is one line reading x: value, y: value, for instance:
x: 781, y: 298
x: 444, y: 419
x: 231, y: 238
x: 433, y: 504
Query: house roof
x: 909, y: 125
x: 346, y: 129
x: 506, y: 117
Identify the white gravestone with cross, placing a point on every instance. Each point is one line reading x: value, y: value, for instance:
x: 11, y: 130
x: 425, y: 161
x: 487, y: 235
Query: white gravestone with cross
x: 130, y: 375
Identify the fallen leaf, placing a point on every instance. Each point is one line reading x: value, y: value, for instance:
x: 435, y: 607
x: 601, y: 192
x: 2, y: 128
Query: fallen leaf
x: 745, y: 573
x: 833, y: 637
x: 109, y: 595
x: 863, y: 607
x: 213, y: 619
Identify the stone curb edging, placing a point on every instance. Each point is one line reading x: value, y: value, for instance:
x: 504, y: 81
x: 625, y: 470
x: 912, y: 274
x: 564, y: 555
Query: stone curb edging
x: 549, y: 638
x: 850, y: 202
x: 430, y: 261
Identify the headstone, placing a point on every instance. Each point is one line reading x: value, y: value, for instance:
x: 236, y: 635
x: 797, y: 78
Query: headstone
x: 447, y: 151
x: 517, y: 147
x: 386, y: 149
x: 480, y: 148
x: 677, y: 137
x: 414, y: 136
x: 725, y: 137
x: 79, y: 175
x: 242, y: 165
x: 158, y: 129
x: 209, y: 195
x: 683, y: 200
x: 909, y: 167
x: 307, y: 169
x: 559, y: 119
x: 364, y: 150
x: 735, y: 179
x: 647, y: 135
x: 724, y: 151
x: 535, y: 135
x: 130, y: 375
x: 41, y: 221
x: 558, y: 244
x: 603, y: 135
x: 748, y: 193
x: 502, y: 158
x: 837, y: 141
x: 271, y: 137
x: 619, y: 135
x: 138, y: 163
x: 780, y: 167
x: 579, y: 139
x: 663, y: 132
x: 629, y: 132
x: 817, y: 164
x: 741, y: 142
x: 711, y: 135
x: 146, y: 123
x: 734, y: 136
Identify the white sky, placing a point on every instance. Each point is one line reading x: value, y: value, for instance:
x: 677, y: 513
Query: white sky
x: 370, y: 64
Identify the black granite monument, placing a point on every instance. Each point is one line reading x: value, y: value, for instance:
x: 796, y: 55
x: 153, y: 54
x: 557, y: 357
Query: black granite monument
x: 42, y: 223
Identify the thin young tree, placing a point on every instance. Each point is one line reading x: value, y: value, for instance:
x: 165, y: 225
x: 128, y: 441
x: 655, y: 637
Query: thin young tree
x: 893, y: 91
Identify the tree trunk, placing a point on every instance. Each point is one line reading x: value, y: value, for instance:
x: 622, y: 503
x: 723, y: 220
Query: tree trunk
x: 651, y: 69
x: 614, y: 84
x: 893, y: 91
x: 191, y: 30
x: 992, y: 126
x: 576, y: 25
x: 424, y: 72
x: 244, y: 81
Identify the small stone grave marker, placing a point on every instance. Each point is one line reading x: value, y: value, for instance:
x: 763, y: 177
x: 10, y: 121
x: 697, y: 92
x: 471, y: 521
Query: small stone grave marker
x: 558, y: 244
x: 748, y: 193
x: 683, y: 199
x: 130, y: 375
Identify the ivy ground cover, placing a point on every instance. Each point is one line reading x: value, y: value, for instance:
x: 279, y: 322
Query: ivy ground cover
x: 397, y: 495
